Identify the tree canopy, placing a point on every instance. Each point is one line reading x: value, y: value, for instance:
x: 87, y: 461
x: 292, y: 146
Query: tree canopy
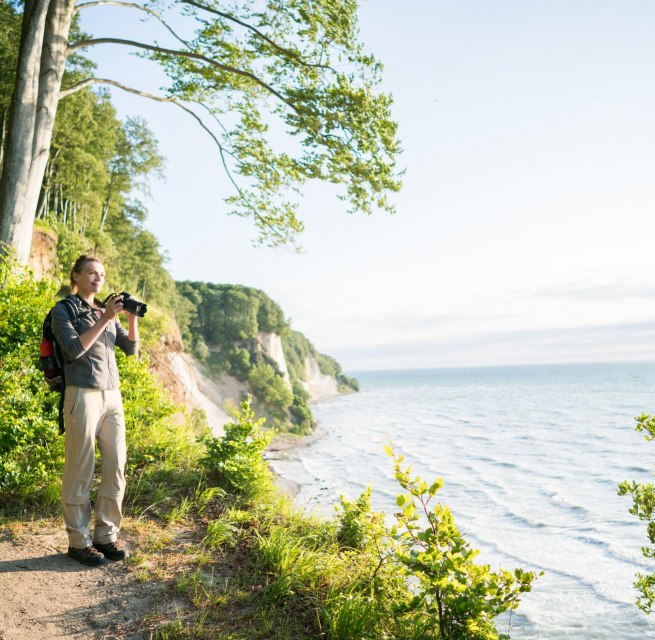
x: 248, y: 69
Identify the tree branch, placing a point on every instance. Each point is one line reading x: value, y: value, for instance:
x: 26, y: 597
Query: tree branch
x: 132, y: 5
x: 173, y: 100
x: 256, y: 31
x: 183, y: 54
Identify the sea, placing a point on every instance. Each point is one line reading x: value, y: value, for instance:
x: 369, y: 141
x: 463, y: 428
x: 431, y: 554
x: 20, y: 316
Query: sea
x: 530, y: 456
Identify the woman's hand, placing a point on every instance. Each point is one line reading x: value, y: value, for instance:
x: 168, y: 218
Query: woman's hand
x: 113, y: 307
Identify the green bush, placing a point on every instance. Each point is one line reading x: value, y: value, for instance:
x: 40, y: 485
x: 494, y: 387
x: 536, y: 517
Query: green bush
x: 151, y: 437
x: 272, y: 393
x: 31, y: 449
x: 358, y: 525
x: 459, y: 598
x: 234, y: 461
x: 23, y: 305
x: 238, y: 362
x: 301, y: 415
x: 200, y: 349
x: 643, y: 506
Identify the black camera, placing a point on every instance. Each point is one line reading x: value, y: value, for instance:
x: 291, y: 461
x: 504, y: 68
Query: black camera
x: 130, y: 304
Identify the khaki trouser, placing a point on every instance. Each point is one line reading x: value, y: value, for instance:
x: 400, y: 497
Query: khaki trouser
x: 90, y: 415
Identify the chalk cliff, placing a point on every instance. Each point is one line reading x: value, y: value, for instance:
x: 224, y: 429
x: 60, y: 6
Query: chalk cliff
x: 218, y: 395
x: 317, y: 384
x: 271, y: 343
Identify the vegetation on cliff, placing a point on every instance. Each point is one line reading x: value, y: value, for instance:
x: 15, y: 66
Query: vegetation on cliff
x: 224, y: 329
x: 93, y: 199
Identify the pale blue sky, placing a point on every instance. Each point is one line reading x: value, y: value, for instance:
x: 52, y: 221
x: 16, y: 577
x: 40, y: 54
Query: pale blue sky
x: 525, y: 227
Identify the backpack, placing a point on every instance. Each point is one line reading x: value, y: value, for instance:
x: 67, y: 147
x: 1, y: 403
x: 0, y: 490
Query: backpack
x: 52, y: 358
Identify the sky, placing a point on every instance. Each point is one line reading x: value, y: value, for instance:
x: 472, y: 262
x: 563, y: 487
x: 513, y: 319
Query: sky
x: 524, y: 230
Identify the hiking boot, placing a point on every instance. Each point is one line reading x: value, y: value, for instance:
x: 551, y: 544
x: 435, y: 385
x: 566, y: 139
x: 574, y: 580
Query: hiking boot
x: 89, y: 556
x: 112, y: 550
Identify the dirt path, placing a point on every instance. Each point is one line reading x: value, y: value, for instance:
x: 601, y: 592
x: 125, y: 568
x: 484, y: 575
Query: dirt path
x: 44, y: 594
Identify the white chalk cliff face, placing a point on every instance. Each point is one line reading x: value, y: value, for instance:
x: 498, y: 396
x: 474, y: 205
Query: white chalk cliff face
x: 212, y: 396
x: 215, y: 395
x: 271, y: 343
x: 317, y: 384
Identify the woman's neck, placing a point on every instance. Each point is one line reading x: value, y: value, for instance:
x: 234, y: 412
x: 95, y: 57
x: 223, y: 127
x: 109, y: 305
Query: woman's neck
x: 89, y: 297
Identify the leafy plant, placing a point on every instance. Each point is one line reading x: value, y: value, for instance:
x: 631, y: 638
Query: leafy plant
x: 235, y: 460
x: 643, y: 506
x: 457, y: 598
x: 358, y: 525
x: 31, y: 451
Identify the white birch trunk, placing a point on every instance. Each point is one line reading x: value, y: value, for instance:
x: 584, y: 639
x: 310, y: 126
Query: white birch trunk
x: 53, y: 61
x: 41, y: 61
x: 18, y: 157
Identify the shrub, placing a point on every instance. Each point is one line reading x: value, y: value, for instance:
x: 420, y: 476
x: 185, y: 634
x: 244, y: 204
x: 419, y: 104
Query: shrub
x: 459, y: 597
x: 151, y: 437
x: 358, y: 526
x: 643, y: 506
x: 23, y: 305
x: 30, y: 448
x: 235, y: 460
x: 272, y: 393
x: 301, y: 415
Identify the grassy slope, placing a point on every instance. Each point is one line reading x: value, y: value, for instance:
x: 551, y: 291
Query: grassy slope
x: 206, y: 520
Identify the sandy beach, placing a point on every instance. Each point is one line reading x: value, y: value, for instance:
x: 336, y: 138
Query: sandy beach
x: 280, y: 447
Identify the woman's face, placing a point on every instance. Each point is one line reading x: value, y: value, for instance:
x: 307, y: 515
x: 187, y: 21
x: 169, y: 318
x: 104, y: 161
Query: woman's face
x: 91, y: 278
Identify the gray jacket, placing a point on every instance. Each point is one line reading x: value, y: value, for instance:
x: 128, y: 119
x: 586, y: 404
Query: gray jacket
x: 96, y: 367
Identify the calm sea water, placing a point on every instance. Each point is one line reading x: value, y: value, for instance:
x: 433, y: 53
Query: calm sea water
x: 531, y: 457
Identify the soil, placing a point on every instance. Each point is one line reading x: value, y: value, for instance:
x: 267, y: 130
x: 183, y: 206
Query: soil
x: 44, y: 594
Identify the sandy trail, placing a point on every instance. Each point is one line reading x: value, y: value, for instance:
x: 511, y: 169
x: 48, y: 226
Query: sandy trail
x: 44, y: 594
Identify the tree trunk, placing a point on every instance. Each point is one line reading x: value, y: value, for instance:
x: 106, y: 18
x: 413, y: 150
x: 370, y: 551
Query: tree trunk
x: 55, y: 202
x: 53, y: 61
x: 22, y: 116
x: 3, y: 137
x: 41, y: 61
x: 43, y: 204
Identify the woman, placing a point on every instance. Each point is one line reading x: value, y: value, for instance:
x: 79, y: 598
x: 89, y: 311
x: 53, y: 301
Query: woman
x: 93, y: 410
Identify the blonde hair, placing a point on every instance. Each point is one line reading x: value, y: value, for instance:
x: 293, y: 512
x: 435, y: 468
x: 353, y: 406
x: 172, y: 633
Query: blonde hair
x: 78, y: 266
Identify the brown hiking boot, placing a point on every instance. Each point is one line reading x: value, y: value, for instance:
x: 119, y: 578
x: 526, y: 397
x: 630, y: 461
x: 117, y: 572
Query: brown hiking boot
x: 113, y: 550
x: 89, y: 556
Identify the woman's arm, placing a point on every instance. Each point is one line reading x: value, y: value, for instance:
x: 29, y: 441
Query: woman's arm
x: 112, y: 309
x: 128, y: 341
x: 132, y: 326
x: 76, y: 344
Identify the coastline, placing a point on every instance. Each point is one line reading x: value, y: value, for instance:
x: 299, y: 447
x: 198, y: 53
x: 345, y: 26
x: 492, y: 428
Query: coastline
x: 280, y: 447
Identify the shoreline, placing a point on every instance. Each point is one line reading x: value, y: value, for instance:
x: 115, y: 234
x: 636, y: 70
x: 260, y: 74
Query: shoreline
x: 281, y: 445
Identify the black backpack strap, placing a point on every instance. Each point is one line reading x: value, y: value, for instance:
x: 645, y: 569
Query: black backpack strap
x: 60, y: 414
x: 73, y: 311
x: 74, y: 314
